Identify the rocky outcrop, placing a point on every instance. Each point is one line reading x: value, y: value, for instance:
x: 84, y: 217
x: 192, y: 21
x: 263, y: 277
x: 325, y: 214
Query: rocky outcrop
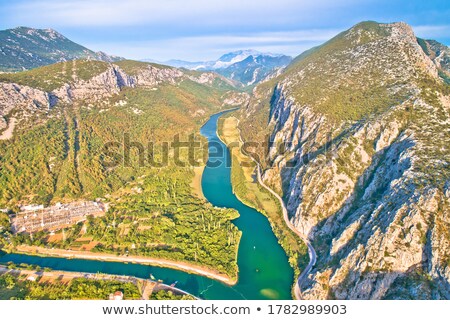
x: 152, y: 76
x: 25, y: 99
x: 439, y: 54
x: 97, y: 88
x: 13, y: 95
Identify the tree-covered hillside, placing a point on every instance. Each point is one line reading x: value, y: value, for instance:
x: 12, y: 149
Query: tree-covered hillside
x: 104, y: 135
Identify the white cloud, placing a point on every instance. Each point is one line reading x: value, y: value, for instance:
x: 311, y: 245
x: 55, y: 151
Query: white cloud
x: 212, y: 46
x: 198, y: 29
x: 432, y: 31
x: 151, y: 12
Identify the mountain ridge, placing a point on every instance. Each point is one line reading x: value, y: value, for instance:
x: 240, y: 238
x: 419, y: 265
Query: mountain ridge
x: 364, y: 170
x: 25, y: 48
x: 246, y: 66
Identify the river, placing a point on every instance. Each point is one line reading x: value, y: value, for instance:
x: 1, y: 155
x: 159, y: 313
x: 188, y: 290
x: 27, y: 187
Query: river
x: 264, y: 271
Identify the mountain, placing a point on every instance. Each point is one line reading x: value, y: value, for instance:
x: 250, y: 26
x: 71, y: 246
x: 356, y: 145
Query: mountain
x: 359, y: 150
x: 25, y: 48
x: 439, y: 54
x: 254, y: 69
x: 39, y: 90
x: 245, y: 66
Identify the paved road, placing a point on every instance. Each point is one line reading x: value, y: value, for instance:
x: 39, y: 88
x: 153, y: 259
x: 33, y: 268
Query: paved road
x: 311, y: 252
x: 179, y: 265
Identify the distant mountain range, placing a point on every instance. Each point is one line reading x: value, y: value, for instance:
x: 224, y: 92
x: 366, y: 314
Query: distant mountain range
x: 25, y: 48
x: 246, y: 66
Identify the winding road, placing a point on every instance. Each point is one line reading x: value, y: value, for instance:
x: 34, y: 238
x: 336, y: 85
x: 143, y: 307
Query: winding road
x: 311, y: 252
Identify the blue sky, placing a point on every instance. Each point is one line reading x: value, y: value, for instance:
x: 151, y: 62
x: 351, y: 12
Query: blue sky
x: 205, y: 29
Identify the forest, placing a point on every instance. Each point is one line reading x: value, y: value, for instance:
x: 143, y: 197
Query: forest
x: 102, y: 151
x: 13, y: 288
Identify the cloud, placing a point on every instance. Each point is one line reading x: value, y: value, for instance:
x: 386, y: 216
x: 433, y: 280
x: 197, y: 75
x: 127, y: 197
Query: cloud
x: 432, y: 31
x: 204, y: 29
x: 206, y: 47
x: 189, y: 12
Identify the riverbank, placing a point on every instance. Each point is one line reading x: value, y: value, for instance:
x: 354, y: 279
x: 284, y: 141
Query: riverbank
x: 147, y: 287
x: 248, y: 189
x: 65, y: 277
x: 231, y: 129
x: 196, y: 183
x: 264, y: 270
x: 183, y: 266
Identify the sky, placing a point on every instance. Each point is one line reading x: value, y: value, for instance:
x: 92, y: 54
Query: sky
x: 198, y: 30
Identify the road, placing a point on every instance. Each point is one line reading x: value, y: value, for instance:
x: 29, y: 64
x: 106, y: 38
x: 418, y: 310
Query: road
x: 149, y: 285
x: 311, y: 252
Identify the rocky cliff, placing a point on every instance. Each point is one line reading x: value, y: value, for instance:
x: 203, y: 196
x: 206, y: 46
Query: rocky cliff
x: 363, y: 125
x: 22, y: 96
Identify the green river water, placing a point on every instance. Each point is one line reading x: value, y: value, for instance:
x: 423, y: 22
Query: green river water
x: 264, y: 271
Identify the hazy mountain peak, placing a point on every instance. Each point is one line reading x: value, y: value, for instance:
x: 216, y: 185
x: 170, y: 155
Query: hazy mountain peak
x: 240, y: 55
x: 246, y: 66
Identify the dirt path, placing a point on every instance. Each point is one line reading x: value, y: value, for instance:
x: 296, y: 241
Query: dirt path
x: 183, y: 266
x: 148, y: 289
x: 8, y: 133
x: 196, y: 183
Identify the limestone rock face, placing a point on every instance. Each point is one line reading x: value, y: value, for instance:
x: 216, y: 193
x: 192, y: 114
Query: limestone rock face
x: 13, y: 95
x: 112, y: 81
x: 364, y: 164
x: 27, y: 100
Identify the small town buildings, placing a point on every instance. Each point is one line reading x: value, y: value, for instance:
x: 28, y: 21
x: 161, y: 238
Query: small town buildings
x: 35, y: 218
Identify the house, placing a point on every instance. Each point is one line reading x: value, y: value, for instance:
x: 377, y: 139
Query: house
x: 118, y: 295
x: 32, y: 207
x: 31, y: 278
